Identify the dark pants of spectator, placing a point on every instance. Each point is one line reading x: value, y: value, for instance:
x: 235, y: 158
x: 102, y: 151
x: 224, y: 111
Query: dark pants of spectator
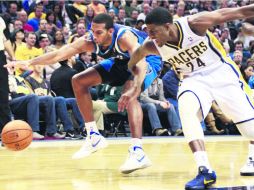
x: 26, y: 108
x: 4, y: 93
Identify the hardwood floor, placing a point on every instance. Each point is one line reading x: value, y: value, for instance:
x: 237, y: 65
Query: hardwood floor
x: 47, y: 165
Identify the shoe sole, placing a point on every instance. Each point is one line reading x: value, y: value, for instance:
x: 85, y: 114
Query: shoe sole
x: 95, y: 150
x: 201, y: 188
x: 130, y: 171
x: 247, y: 174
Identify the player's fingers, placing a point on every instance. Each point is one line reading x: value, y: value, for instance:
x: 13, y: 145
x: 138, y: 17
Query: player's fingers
x: 122, y: 104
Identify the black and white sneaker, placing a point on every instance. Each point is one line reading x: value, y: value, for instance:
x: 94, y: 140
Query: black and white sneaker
x: 71, y: 135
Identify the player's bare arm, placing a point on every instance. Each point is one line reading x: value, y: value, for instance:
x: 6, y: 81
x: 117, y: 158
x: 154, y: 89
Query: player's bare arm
x: 148, y: 48
x: 200, y: 22
x: 67, y: 51
x: 129, y: 42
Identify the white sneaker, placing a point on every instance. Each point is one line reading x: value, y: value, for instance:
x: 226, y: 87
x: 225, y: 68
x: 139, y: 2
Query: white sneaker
x: 248, y: 168
x: 93, y: 143
x: 136, y: 160
x: 37, y: 136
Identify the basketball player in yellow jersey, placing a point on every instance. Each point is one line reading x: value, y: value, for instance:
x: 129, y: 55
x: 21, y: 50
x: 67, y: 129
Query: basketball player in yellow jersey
x: 207, y: 75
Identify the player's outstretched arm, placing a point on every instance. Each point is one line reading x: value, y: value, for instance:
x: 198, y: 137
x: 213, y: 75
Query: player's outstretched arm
x: 63, y: 53
x: 200, y: 22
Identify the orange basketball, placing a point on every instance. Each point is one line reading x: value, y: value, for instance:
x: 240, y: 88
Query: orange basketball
x: 17, y: 135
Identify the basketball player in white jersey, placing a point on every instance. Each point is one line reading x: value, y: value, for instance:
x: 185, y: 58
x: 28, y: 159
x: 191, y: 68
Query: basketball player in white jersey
x: 207, y: 75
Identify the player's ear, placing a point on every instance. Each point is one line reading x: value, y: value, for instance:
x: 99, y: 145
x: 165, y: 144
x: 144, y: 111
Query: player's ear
x: 167, y: 25
x: 111, y: 30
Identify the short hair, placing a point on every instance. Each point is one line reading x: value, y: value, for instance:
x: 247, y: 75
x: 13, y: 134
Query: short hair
x: 104, y: 19
x: 159, y: 16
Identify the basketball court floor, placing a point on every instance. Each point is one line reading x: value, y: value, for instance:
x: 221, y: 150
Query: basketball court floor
x: 47, y: 165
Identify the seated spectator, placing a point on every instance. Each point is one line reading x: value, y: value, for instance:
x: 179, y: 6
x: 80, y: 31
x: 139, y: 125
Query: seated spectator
x: 131, y: 21
x: 107, y: 103
x: 41, y: 87
x: 60, y: 83
x: 25, y: 107
x: 28, y: 51
x: 153, y: 101
x: 58, y: 40
x: 83, y: 61
x: 17, y: 39
x: 239, y: 47
x: 97, y: 7
x: 22, y: 99
x: 215, y: 113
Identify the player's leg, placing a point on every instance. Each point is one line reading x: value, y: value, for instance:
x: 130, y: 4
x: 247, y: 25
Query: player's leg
x: 81, y: 83
x: 137, y: 158
x: 235, y: 98
x: 191, y: 114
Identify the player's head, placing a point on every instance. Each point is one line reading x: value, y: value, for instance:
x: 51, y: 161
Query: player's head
x: 159, y: 22
x: 102, y: 28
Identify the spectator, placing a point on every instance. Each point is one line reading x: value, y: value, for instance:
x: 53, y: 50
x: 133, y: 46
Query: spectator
x: 27, y: 51
x: 121, y: 16
x: 17, y: 24
x: 47, y: 107
x: 238, y: 58
x: 225, y: 39
x: 80, y: 6
x: 153, y: 101
x: 180, y: 10
x: 41, y: 87
x: 44, y: 44
x: 133, y: 19
x: 97, y: 7
x: 25, y: 107
x: 145, y: 11
x: 107, y: 103
x: 239, y: 47
x: 17, y: 39
x: 58, y: 40
x: 83, y: 61
x: 12, y: 10
x: 53, y: 22
x: 89, y: 17
x: 69, y: 13
x: 22, y: 16
x: 35, y: 17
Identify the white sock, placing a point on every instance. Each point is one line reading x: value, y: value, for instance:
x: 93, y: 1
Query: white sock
x: 91, y: 126
x: 136, y: 142
x: 202, y: 160
x: 251, y: 151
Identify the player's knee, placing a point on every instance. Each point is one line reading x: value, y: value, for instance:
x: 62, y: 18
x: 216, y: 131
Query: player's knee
x: 75, y: 80
x: 189, y: 108
x: 247, y: 129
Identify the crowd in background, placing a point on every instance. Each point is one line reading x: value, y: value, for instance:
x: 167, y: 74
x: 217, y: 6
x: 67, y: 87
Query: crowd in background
x: 40, y: 26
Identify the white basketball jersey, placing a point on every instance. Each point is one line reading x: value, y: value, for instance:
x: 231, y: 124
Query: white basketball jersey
x: 193, y: 53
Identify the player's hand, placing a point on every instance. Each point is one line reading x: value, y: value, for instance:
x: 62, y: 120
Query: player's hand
x: 131, y: 94
x: 18, y: 64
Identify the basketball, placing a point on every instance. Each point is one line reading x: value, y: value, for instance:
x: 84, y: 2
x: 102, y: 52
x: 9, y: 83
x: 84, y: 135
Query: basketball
x: 17, y: 135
